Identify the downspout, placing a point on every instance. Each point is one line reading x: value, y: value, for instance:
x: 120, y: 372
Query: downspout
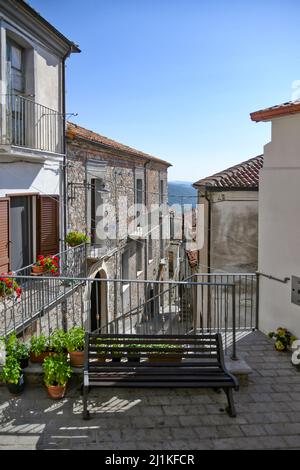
x: 208, y: 231
x: 149, y: 228
x: 65, y: 198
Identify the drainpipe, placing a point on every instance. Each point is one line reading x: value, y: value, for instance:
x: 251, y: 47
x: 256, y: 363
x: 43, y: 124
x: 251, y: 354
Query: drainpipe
x: 65, y: 198
x: 208, y: 318
x: 208, y: 230
x: 146, y: 206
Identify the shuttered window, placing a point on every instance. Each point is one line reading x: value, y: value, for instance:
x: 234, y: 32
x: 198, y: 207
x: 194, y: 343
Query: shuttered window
x: 47, y: 225
x: 4, y: 235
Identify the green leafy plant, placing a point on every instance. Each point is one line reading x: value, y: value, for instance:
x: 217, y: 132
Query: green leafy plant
x: 156, y: 348
x: 57, y: 341
x: 283, y: 338
x: 39, y: 344
x: 75, y: 238
x: 75, y: 339
x: 16, y: 348
x: 11, y: 371
x: 56, y: 370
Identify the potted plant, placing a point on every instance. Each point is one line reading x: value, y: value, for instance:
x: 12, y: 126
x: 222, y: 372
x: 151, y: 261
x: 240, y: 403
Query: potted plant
x: 9, y: 287
x: 75, y: 345
x: 39, y: 348
x: 12, y: 375
x: 46, y: 264
x: 132, y: 355
x: 75, y: 238
x: 102, y: 350
x: 283, y: 339
x: 162, y: 356
x: 116, y: 354
x: 57, y: 342
x: 18, y: 349
x: 56, y: 375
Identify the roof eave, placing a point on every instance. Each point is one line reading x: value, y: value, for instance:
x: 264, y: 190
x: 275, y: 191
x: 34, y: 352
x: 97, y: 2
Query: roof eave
x: 71, y: 135
x: 269, y: 114
x: 73, y: 48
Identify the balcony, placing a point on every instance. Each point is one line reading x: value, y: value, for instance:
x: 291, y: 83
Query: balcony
x: 26, y: 126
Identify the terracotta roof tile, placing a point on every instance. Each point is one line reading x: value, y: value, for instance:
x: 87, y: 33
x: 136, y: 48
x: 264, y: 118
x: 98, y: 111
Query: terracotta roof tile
x: 243, y: 175
x: 73, y: 131
x: 284, y: 109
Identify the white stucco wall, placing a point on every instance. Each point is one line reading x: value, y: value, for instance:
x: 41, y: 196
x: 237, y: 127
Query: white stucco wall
x: 47, y: 79
x: 24, y: 177
x: 279, y: 225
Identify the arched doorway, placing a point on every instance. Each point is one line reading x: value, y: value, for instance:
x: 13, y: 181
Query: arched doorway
x: 98, y: 317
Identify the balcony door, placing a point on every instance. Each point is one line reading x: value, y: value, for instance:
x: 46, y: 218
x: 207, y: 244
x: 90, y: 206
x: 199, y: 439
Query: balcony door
x: 15, y: 90
x: 21, y: 232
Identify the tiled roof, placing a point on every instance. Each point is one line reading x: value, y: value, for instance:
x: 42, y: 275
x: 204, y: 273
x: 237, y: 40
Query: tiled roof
x: 73, y: 131
x: 284, y: 109
x: 243, y: 175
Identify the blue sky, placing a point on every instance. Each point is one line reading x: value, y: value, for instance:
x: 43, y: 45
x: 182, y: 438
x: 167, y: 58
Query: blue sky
x: 178, y: 78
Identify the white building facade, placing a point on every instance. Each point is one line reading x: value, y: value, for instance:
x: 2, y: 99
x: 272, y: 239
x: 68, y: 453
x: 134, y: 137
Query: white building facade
x: 279, y: 221
x: 32, y: 134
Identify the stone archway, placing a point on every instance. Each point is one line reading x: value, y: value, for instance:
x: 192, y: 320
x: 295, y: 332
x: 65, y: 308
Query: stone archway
x: 98, y: 312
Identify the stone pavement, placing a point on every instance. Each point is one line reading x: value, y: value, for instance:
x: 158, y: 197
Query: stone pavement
x: 179, y: 419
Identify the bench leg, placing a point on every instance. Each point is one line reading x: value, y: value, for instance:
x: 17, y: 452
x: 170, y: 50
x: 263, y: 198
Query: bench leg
x: 230, y: 408
x: 86, y: 413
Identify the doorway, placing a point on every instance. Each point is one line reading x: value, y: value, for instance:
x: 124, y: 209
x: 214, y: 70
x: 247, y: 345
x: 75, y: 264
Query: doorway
x: 21, y: 232
x: 98, y: 318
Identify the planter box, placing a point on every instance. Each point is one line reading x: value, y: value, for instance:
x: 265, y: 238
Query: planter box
x: 155, y: 358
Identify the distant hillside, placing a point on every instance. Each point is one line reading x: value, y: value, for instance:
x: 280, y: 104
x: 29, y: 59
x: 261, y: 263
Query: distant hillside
x: 182, y: 192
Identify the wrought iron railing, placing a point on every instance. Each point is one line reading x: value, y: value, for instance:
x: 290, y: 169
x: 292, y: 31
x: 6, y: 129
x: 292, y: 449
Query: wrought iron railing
x: 28, y: 124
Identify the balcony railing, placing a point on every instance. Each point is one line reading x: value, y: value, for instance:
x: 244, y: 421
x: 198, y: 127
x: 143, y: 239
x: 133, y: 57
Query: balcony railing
x: 27, y: 124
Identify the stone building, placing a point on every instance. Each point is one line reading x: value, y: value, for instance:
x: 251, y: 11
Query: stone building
x: 118, y: 196
x: 228, y: 219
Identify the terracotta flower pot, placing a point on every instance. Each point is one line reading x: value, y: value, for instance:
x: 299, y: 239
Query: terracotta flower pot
x: 38, y: 269
x: 57, y: 391
x: 40, y: 358
x: 77, y: 358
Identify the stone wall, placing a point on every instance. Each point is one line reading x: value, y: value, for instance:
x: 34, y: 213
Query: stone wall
x: 118, y: 172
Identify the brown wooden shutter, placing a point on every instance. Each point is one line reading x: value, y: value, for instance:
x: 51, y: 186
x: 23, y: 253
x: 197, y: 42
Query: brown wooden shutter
x: 4, y: 235
x: 47, y: 225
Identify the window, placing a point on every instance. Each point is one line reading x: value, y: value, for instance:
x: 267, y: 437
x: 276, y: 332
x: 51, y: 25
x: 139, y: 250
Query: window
x: 161, y: 191
x: 15, y: 72
x: 172, y: 227
x: 171, y: 264
x: 97, y: 232
x: 125, y: 265
x: 139, y: 191
x: 139, y: 257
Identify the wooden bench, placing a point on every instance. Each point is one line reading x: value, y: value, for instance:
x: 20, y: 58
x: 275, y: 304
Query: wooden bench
x: 156, y: 361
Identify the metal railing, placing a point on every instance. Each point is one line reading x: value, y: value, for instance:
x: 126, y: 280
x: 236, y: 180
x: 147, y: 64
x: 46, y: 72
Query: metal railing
x: 28, y: 124
x: 225, y: 303
x: 116, y: 306
x: 211, y: 298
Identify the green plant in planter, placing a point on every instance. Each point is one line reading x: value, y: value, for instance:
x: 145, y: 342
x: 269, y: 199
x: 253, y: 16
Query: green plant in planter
x: 56, y: 370
x: 11, y: 371
x: 39, y: 344
x: 58, y: 341
x: 17, y: 349
x: 283, y: 338
x: 75, y: 238
x: 75, y: 339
